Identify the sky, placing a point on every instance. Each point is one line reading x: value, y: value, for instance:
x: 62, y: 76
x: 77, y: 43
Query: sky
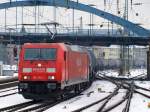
x: 137, y: 13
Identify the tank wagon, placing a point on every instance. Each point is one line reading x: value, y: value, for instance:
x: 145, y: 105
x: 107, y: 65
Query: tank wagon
x: 49, y: 70
x: 94, y: 66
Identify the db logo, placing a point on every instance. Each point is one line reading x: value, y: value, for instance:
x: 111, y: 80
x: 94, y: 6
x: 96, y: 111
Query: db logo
x: 39, y: 69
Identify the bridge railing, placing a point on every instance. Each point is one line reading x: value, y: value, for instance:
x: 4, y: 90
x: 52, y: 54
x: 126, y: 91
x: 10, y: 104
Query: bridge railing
x: 60, y: 31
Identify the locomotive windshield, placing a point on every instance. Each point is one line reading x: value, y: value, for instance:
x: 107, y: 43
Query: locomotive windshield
x: 40, y: 54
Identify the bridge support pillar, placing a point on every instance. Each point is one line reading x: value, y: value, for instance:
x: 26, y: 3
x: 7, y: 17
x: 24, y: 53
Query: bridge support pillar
x: 124, y: 59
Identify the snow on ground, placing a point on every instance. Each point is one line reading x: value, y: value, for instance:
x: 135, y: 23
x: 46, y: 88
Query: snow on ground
x: 81, y: 101
x: 11, y: 100
x: 5, y: 77
x: 145, y: 84
x: 15, y: 74
x: 119, y: 108
x: 115, y: 73
x: 99, y: 90
x: 139, y: 104
x: 119, y: 96
x: 8, y: 92
x: 106, y: 87
x: 7, y: 89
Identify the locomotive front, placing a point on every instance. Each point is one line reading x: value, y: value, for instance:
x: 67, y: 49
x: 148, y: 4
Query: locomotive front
x: 38, y: 71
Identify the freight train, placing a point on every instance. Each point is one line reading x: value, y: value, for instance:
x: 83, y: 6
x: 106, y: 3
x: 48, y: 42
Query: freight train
x: 49, y: 70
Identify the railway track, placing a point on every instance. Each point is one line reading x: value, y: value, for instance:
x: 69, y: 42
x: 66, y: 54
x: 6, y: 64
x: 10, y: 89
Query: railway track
x: 7, y: 83
x: 125, y: 85
x: 37, y: 106
x: 129, y: 86
x: 9, y: 89
x: 17, y: 106
x: 136, y: 90
x: 103, y: 99
x: 49, y: 105
x: 8, y: 94
x: 141, y: 76
x: 106, y: 99
x: 131, y: 91
x: 111, y: 107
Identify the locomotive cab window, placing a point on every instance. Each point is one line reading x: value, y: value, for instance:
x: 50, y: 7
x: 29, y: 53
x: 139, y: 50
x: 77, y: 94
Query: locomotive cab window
x: 40, y: 54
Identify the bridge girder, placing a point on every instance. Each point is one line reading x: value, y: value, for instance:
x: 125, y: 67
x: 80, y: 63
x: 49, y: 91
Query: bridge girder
x: 81, y: 40
x: 82, y: 7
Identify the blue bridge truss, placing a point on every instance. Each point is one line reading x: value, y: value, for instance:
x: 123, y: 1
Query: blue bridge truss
x: 82, y: 7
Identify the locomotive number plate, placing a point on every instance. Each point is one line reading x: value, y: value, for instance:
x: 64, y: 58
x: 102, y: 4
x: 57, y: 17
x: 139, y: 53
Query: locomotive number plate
x: 38, y: 69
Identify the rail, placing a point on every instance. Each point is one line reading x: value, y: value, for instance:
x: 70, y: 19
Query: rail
x: 8, y: 82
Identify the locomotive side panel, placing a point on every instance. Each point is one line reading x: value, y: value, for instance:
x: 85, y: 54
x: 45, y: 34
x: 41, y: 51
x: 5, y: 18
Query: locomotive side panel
x: 77, y: 67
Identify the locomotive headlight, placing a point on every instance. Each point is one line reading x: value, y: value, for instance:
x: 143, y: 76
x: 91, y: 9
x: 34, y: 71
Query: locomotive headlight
x: 39, y: 65
x: 26, y: 77
x: 27, y: 70
x: 51, y: 70
x: 51, y: 77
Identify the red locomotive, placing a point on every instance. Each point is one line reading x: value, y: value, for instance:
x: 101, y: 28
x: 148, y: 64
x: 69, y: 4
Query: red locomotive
x: 47, y: 70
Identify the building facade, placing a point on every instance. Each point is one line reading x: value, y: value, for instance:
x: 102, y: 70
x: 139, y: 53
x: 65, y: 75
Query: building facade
x: 109, y: 57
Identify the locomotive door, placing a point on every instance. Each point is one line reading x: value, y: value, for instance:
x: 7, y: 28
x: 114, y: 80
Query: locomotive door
x: 66, y: 66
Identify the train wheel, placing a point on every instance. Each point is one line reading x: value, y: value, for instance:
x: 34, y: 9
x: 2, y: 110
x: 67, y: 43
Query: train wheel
x: 77, y: 88
x: 60, y: 97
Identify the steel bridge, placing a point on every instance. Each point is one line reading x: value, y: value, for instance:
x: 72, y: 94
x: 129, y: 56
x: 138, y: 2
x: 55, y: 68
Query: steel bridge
x: 73, y: 38
x: 142, y: 37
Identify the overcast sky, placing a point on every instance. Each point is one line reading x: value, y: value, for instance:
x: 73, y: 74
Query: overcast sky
x: 137, y: 13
